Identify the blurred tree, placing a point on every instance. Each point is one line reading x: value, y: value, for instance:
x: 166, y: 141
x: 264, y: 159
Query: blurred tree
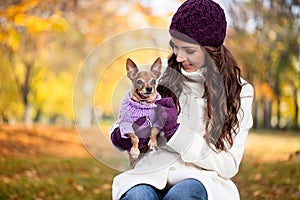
x: 269, y: 31
x: 25, y: 30
x: 42, y: 41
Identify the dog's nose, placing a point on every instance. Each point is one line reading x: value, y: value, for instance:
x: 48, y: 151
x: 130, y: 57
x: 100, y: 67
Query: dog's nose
x: 148, y: 89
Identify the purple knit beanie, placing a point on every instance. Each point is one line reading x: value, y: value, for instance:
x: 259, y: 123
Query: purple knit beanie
x: 199, y: 21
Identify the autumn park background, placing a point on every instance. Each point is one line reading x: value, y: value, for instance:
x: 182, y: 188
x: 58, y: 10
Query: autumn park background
x: 54, y: 55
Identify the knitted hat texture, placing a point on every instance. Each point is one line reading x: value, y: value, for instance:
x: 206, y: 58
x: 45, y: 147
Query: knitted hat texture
x: 199, y: 21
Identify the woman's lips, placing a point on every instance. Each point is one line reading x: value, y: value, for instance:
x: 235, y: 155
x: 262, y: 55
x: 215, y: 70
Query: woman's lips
x: 188, y: 66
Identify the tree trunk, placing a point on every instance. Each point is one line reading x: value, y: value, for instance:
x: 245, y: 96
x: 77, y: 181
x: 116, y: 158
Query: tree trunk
x: 296, y: 117
x: 25, y: 88
x: 267, y: 114
x: 255, y: 116
x: 278, y: 113
x: 27, y: 116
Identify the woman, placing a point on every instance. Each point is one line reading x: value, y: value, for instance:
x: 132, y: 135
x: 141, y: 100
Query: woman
x: 214, y: 105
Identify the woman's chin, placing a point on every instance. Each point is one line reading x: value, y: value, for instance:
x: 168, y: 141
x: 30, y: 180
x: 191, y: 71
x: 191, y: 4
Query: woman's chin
x: 190, y: 69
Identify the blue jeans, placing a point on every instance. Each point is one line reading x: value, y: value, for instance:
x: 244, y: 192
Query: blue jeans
x: 187, y: 189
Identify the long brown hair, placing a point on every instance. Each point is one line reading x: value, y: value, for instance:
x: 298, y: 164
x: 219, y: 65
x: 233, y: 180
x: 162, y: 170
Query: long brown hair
x: 222, y: 91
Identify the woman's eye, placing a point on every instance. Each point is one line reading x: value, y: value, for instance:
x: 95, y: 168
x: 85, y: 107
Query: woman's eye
x: 139, y: 82
x: 153, y: 81
x: 190, y: 51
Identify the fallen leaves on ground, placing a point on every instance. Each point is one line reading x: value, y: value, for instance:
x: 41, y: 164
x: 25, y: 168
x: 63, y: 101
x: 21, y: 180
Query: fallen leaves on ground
x: 42, y: 162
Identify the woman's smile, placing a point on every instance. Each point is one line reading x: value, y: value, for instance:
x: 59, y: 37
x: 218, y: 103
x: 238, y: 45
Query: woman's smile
x: 189, y: 67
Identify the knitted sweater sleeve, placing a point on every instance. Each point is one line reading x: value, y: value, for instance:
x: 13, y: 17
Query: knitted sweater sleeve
x: 195, y: 150
x: 125, y: 119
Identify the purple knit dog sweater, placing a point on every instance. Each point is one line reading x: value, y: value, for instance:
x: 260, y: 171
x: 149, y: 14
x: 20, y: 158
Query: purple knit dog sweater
x: 131, y: 111
x: 164, y: 116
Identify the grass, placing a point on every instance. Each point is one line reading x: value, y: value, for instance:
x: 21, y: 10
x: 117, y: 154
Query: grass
x: 273, y: 180
x: 51, y: 163
x: 270, y: 169
x: 54, y: 178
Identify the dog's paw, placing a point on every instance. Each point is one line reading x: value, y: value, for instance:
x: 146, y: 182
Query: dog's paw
x: 152, y: 145
x: 134, y: 152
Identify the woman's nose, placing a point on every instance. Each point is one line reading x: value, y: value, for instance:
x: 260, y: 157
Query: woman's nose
x: 180, y: 58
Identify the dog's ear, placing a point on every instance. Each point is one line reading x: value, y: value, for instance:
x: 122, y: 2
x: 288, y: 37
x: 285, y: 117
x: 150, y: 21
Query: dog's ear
x: 156, y: 67
x: 131, y: 68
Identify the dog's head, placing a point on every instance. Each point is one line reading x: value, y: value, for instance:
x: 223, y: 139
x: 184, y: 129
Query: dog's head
x: 143, y: 82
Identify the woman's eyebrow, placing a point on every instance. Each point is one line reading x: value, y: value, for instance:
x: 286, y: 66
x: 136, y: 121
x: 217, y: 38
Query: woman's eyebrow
x: 187, y: 47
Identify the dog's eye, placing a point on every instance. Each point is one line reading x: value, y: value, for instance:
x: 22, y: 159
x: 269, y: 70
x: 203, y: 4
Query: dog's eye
x: 153, y: 81
x: 139, y: 82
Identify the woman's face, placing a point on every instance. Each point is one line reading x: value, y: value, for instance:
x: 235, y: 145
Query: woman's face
x: 191, y: 56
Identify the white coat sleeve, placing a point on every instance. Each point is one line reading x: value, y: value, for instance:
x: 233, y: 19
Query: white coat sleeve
x: 226, y: 163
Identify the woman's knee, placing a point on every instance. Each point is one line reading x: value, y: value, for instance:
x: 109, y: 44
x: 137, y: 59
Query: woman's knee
x: 141, y: 192
x: 187, y: 189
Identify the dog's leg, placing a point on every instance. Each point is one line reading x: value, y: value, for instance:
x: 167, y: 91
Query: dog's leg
x: 133, y: 162
x: 134, y: 152
x: 153, y: 139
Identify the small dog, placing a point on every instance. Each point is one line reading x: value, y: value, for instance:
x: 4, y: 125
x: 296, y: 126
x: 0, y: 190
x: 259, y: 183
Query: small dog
x: 140, y: 103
